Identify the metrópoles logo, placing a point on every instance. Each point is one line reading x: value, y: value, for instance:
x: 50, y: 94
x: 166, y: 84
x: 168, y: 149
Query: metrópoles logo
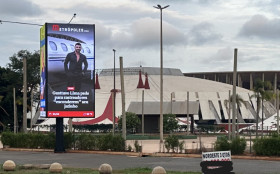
x: 55, y: 27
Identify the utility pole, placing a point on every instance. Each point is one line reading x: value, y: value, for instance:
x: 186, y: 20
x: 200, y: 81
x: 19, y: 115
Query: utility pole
x: 234, y: 94
x: 277, y: 107
x: 15, y: 111
x: 171, y: 102
x: 143, y: 112
x: 24, y: 121
x: 31, y: 105
x: 188, y: 113
x: 123, y: 100
x: 229, y: 109
x: 114, y: 94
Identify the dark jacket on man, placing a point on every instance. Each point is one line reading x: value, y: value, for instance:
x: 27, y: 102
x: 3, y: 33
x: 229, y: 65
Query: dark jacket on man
x: 74, y: 66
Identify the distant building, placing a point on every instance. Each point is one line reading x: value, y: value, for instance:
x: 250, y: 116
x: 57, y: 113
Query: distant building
x: 207, y: 98
x: 245, y: 79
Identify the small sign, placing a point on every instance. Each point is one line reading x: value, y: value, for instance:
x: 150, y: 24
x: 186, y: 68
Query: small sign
x: 216, y: 156
x: 216, y: 162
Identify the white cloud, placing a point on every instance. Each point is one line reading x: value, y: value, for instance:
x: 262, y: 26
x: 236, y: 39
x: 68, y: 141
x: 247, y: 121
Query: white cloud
x: 203, y: 33
x: 223, y: 55
x: 261, y: 27
x: 145, y: 33
x: 19, y: 8
x: 198, y: 35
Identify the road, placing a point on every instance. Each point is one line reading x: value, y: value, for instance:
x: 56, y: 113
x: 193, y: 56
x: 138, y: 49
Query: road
x: 83, y: 160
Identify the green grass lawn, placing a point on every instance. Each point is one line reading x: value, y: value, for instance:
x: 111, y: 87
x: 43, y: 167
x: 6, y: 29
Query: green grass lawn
x: 19, y: 170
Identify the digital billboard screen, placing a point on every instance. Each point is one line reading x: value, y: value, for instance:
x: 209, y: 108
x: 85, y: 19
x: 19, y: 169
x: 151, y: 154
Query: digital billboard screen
x: 69, y: 70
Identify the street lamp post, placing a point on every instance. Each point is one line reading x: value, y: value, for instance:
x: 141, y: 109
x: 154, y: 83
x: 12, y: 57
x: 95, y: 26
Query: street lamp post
x: 114, y: 93
x: 161, y: 74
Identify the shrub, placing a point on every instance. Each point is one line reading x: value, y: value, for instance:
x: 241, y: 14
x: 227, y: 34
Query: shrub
x: 267, y: 146
x: 31, y: 140
x: 222, y: 144
x: 110, y: 142
x: 118, y: 143
x: 171, y: 142
x: 129, y: 148
x: 8, y: 138
x: 236, y: 146
x: 181, y: 146
x: 47, y: 141
x: 85, y: 142
x: 137, y: 146
x: 68, y: 140
x: 105, y: 142
x: 132, y: 122
x: 170, y: 123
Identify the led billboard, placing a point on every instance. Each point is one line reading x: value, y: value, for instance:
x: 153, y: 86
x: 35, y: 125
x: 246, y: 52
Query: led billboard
x: 69, y: 70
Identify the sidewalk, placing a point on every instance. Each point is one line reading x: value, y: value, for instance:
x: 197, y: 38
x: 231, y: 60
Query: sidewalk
x: 153, y: 146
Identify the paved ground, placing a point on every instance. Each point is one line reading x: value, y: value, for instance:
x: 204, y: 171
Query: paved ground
x: 85, y: 160
x: 151, y: 146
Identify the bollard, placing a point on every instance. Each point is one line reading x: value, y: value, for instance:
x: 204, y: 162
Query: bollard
x: 9, y: 165
x: 105, y: 169
x: 158, y: 170
x: 55, y: 168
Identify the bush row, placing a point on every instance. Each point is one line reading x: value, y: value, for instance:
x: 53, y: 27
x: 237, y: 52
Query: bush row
x: 267, y: 146
x: 236, y: 146
x: 71, y: 141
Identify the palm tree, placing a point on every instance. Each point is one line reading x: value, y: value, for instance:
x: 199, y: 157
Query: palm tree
x: 261, y: 92
x: 239, y: 102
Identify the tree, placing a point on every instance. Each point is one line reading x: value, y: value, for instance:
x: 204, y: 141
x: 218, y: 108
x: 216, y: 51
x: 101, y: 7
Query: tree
x: 12, y: 77
x: 132, y: 122
x: 169, y: 123
x: 261, y: 92
x: 8, y: 80
x: 33, y: 68
x: 239, y: 102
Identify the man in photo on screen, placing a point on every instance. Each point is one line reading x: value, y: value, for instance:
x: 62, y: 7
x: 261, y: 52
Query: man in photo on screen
x: 75, y: 70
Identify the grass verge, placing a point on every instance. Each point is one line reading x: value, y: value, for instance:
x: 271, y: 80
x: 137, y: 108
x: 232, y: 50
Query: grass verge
x: 20, y: 170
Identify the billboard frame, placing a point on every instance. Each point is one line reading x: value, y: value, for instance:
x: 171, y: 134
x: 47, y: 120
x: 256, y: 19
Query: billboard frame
x: 71, y: 113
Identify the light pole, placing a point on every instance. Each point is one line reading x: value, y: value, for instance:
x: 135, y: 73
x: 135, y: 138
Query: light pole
x: 161, y: 74
x: 72, y: 18
x: 114, y: 93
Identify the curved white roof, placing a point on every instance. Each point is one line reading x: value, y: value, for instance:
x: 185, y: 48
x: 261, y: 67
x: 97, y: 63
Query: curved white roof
x: 210, y: 94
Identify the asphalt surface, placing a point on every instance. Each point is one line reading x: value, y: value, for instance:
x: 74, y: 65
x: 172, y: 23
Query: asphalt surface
x: 84, y: 160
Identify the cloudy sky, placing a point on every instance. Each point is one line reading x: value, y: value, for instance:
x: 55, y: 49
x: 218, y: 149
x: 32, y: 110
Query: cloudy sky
x: 198, y: 35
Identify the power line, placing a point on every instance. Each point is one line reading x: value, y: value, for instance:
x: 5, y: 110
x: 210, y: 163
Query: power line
x: 24, y: 23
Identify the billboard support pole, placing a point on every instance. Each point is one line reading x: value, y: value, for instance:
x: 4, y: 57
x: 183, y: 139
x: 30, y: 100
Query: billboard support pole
x: 59, y: 140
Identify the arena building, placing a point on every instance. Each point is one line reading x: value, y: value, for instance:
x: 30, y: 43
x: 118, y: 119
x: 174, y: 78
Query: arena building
x: 208, y: 99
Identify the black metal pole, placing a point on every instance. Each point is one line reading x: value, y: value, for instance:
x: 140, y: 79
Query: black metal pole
x: 59, y: 139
